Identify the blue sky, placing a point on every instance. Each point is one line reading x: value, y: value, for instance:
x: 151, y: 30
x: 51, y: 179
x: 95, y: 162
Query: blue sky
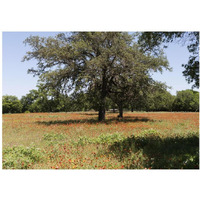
x: 16, y: 81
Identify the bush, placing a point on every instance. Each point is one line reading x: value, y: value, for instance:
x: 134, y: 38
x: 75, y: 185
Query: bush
x: 101, y: 139
x: 27, y: 111
x: 150, y: 150
x: 20, y: 157
x: 52, y: 138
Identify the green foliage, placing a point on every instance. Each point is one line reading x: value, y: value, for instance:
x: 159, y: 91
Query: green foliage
x: 159, y: 100
x: 97, y: 62
x: 27, y: 111
x: 109, y: 139
x: 102, y: 139
x: 28, y: 101
x: 79, y: 102
x: 45, y: 100
x: 152, y: 150
x: 186, y: 100
x: 51, y: 99
x: 11, y: 104
x: 153, y: 97
x: 20, y: 157
x: 52, y: 138
x: 191, y: 71
x: 152, y: 41
x: 83, y: 140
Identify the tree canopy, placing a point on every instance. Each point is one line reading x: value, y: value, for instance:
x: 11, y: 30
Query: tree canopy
x: 151, y: 41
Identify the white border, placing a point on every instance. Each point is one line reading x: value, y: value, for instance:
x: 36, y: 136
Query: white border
x: 105, y: 15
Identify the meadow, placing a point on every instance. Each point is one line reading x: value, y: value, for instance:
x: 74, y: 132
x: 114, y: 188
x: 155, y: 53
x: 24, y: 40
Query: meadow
x: 141, y: 140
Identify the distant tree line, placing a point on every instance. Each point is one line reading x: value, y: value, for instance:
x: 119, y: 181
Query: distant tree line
x: 158, y: 99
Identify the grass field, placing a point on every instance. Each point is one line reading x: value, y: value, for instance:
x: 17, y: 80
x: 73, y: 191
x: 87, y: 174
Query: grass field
x: 78, y: 141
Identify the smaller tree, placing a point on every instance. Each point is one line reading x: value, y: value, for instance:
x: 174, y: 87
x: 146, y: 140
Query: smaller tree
x: 11, y: 104
x: 160, y: 101
x: 52, y: 99
x: 186, y: 100
x: 79, y: 101
x: 28, y: 100
x: 45, y: 99
x: 153, y: 96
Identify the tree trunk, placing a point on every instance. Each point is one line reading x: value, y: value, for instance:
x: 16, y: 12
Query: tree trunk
x: 101, y: 114
x: 131, y: 109
x: 102, y: 107
x: 121, y: 111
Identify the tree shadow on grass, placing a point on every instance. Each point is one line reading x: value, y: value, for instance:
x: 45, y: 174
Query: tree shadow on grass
x: 157, y: 153
x: 95, y: 121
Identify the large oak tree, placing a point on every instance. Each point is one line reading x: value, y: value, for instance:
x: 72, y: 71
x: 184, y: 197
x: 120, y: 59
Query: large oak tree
x: 101, y: 62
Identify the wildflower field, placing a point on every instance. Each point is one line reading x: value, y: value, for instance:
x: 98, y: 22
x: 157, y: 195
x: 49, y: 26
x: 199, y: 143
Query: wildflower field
x: 141, y: 140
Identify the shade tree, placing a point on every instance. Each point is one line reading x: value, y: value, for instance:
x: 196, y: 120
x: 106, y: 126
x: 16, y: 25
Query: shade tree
x: 92, y: 61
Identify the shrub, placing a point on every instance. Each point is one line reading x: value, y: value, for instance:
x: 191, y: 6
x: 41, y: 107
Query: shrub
x: 27, y: 111
x: 52, y: 138
x: 102, y: 139
x: 20, y: 157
